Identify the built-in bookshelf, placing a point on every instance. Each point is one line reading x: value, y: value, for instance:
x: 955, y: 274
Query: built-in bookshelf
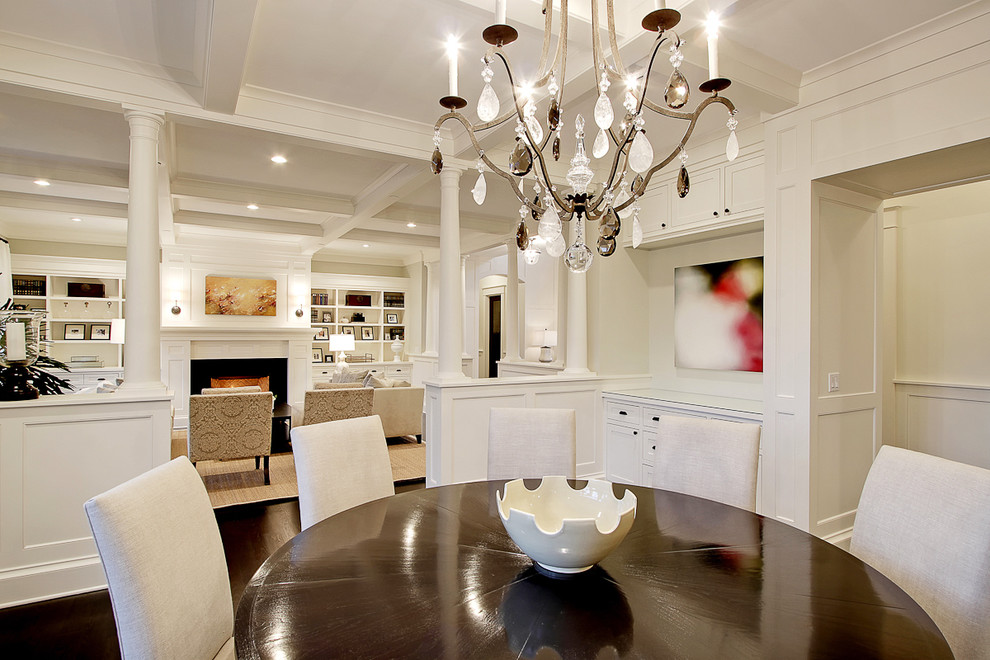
x: 79, y: 311
x: 375, y: 316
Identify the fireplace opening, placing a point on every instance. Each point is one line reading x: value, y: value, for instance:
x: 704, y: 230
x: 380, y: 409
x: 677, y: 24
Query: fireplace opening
x: 271, y: 374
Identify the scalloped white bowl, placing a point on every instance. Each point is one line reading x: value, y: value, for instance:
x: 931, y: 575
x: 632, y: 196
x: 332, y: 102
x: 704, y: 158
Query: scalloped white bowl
x: 562, y: 529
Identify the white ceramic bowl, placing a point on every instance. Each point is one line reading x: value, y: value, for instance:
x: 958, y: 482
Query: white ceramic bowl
x: 562, y: 529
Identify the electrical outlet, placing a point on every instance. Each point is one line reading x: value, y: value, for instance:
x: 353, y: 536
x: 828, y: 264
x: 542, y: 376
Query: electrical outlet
x: 833, y: 382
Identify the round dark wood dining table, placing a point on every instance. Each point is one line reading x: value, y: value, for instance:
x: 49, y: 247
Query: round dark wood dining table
x: 433, y: 574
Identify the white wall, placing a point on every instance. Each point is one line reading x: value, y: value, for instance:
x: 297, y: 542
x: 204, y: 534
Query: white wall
x: 736, y: 384
x: 941, y: 395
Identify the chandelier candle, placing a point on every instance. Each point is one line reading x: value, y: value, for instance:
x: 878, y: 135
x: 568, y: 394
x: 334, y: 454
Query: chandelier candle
x: 452, y: 66
x: 712, y: 28
x: 625, y: 127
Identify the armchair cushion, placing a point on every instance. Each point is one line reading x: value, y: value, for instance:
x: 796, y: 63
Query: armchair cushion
x: 231, y: 390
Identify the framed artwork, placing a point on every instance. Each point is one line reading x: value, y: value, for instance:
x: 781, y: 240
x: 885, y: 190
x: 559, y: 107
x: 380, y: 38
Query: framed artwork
x: 322, y: 334
x: 100, y: 331
x: 240, y: 296
x: 347, y: 330
x: 391, y: 318
x: 367, y: 332
x: 328, y: 358
x: 74, y: 331
x: 317, y: 355
x: 328, y: 317
x: 718, y: 315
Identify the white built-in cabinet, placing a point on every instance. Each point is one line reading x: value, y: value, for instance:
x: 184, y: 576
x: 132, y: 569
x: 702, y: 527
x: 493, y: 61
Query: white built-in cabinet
x: 724, y: 197
x: 632, y: 416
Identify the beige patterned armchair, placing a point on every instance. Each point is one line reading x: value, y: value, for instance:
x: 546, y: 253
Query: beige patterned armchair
x: 340, y: 403
x: 228, y: 426
x: 400, y: 408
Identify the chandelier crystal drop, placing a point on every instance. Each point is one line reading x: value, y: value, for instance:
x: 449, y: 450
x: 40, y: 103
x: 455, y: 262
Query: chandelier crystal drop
x: 539, y: 116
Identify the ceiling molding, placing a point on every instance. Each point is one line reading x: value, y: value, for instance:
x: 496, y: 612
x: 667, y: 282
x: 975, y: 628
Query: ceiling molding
x: 227, y: 53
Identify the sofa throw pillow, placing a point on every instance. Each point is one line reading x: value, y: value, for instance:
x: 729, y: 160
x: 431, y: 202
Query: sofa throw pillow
x: 371, y: 380
x: 349, y: 376
x: 400, y: 383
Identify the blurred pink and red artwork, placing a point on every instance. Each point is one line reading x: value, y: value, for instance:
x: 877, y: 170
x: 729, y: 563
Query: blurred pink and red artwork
x: 718, y: 315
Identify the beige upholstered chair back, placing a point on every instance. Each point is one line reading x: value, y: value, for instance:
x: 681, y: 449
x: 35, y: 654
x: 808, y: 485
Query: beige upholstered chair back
x: 531, y: 443
x: 340, y: 465
x: 924, y: 522
x: 164, y: 561
x: 231, y: 390
x: 227, y: 426
x: 339, y: 403
x: 710, y: 458
x: 338, y: 386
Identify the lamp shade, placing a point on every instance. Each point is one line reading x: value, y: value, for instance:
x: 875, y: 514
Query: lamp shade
x: 341, y: 343
x: 549, y: 338
x: 116, y: 331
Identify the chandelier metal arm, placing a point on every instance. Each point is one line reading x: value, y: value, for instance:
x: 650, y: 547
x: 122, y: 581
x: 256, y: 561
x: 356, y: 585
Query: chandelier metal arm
x: 481, y: 154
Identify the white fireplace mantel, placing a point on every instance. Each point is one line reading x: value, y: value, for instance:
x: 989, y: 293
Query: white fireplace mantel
x: 182, y: 344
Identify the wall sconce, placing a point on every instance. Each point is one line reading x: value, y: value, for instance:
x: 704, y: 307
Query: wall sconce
x: 300, y: 312
x: 176, y: 309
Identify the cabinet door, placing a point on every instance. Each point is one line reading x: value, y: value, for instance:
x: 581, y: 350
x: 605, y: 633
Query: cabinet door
x: 743, y: 186
x: 622, y: 454
x: 703, y: 201
x: 654, y: 214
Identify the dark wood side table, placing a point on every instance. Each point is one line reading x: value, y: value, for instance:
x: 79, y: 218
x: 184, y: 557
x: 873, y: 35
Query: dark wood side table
x: 281, y: 425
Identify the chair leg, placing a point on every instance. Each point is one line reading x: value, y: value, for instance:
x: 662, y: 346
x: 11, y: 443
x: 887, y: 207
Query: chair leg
x: 419, y: 439
x: 257, y: 462
x: 268, y: 481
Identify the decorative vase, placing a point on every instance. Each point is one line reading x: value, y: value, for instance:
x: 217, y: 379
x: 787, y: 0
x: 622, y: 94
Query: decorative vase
x: 397, y: 350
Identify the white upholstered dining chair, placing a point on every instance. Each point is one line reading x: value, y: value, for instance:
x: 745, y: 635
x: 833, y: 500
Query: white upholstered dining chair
x: 924, y: 522
x: 531, y: 443
x: 163, y: 557
x: 340, y: 465
x: 711, y: 458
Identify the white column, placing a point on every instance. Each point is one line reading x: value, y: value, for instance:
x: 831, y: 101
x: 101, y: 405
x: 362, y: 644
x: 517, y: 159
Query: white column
x: 577, y: 318
x: 432, y: 309
x: 451, y: 282
x: 511, y: 307
x: 142, y: 347
x: 465, y: 342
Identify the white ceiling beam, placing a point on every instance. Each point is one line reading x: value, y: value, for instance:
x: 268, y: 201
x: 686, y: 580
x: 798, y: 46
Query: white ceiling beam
x: 66, y: 205
x: 227, y: 52
x: 247, y: 224
x: 245, y: 195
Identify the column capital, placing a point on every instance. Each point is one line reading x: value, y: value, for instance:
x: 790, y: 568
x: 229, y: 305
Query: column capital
x: 149, y: 114
x: 451, y: 174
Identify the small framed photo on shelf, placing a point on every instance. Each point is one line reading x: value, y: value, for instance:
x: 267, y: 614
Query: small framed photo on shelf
x: 321, y: 334
x: 74, y: 331
x: 367, y: 332
x: 328, y: 317
x: 347, y: 330
x: 392, y: 318
x: 328, y: 358
x: 99, y: 331
x: 317, y: 355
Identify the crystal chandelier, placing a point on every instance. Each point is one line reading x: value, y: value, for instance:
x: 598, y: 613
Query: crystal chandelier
x: 633, y: 162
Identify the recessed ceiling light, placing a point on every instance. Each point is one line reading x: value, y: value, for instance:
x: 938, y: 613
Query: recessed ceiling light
x: 42, y: 182
x: 410, y: 224
x: 365, y: 245
x: 77, y: 219
x: 279, y: 159
x: 253, y: 207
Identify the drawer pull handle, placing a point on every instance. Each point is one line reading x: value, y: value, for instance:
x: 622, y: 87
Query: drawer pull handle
x: 656, y: 419
x: 635, y: 432
x: 654, y: 447
x: 623, y: 412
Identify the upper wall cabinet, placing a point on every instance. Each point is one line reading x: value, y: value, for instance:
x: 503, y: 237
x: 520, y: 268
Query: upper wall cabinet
x: 723, y: 199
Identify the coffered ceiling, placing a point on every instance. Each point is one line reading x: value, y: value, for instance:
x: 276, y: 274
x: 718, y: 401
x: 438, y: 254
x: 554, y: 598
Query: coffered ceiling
x: 346, y: 91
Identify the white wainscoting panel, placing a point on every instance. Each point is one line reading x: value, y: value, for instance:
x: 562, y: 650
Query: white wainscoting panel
x: 946, y: 420
x: 56, y: 452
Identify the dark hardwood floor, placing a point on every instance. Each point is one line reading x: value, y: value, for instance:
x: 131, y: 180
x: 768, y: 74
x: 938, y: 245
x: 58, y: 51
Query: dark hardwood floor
x: 83, y: 627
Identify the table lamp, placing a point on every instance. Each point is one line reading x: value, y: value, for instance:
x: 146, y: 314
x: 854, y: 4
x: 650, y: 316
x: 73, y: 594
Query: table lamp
x: 341, y: 343
x: 549, y: 341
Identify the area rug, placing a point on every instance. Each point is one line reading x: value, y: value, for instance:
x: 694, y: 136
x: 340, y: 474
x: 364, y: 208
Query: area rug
x: 237, y: 482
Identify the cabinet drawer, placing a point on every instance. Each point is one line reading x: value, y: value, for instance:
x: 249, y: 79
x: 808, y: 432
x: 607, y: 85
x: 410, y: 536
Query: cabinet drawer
x: 321, y: 373
x: 649, y: 448
x: 400, y: 373
x: 651, y: 416
x: 623, y: 413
